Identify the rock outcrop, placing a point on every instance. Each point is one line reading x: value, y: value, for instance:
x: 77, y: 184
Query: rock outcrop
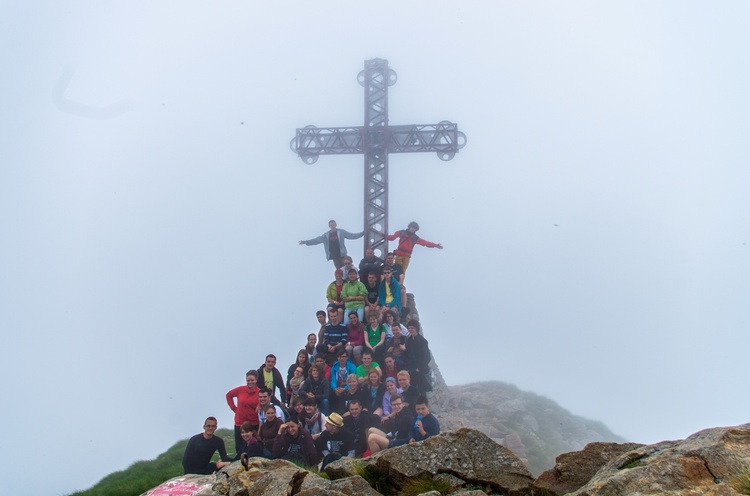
x: 706, y: 463
x: 573, y: 470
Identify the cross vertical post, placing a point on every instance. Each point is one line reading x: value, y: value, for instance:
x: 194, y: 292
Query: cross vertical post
x: 376, y: 140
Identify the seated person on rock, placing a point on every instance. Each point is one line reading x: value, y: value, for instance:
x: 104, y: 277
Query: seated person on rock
x: 355, y: 338
x: 417, y: 355
x: 375, y: 337
x: 353, y: 294
x: 372, y: 300
x: 264, y: 400
x: 391, y: 389
x: 372, y: 393
x: 268, y: 430
x: 333, y: 294
x: 389, y: 292
x: 296, y: 410
x: 314, y: 420
x: 294, y: 384
x: 396, y: 431
x: 270, y: 377
x: 349, y: 265
x: 391, y: 367
x: 293, y: 443
x: 316, y: 388
x: 250, y: 445
x: 409, y: 393
x: 425, y: 423
x: 351, y: 392
x: 334, y: 338
x: 335, y: 442
x: 369, y: 264
x: 322, y: 317
x: 201, y: 448
x: 358, y: 422
x: 363, y: 370
x: 320, y: 360
x: 341, y: 371
x: 392, y: 325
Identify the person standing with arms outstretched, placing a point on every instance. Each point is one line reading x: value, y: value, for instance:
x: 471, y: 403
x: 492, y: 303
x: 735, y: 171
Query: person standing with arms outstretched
x: 407, y: 240
x: 333, y: 243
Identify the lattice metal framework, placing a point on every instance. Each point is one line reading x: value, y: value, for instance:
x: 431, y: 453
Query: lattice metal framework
x: 375, y: 140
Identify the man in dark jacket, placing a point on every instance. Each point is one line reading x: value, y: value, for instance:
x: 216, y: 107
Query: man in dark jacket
x: 358, y: 421
x: 417, y: 354
x: 270, y: 377
x: 200, y: 449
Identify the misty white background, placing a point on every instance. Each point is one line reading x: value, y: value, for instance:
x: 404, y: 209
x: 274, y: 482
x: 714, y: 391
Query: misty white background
x: 595, y: 226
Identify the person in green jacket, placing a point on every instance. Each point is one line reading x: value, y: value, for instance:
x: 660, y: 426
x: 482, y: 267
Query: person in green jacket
x: 353, y: 295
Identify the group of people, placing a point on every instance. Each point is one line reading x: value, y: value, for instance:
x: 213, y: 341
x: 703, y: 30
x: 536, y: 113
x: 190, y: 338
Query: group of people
x: 356, y: 388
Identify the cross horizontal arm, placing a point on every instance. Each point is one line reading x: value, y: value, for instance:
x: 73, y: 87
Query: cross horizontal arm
x: 444, y: 138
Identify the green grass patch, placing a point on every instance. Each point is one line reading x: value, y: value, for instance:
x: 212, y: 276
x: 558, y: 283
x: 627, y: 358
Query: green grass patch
x: 375, y: 478
x: 144, y: 475
x: 424, y: 484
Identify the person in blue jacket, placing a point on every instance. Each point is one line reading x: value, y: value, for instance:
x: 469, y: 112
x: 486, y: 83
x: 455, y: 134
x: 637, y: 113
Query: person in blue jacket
x: 333, y: 243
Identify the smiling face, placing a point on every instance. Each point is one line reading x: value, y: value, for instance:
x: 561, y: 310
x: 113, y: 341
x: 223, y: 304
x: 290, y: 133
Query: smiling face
x: 270, y: 413
x: 270, y: 363
x: 315, y: 373
x: 264, y: 398
x: 310, y: 409
x: 352, y: 276
x: 246, y: 436
x: 209, y: 428
x: 374, y: 378
x: 390, y: 386
x: 352, y: 383
x: 354, y: 319
x: 367, y: 360
x: 312, y: 339
x: 302, y: 357
x: 373, y: 320
x: 403, y: 382
x: 342, y: 360
x: 251, y: 381
x: 369, y: 253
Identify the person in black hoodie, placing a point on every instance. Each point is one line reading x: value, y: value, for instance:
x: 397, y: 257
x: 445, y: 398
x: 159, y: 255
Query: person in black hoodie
x: 269, y: 371
x: 395, y: 431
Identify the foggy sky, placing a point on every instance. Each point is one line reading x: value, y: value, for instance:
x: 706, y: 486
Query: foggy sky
x: 595, y: 225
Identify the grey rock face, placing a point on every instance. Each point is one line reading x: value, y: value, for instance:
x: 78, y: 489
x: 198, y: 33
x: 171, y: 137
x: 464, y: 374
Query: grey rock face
x: 574, y: 470
x: 705, y: 463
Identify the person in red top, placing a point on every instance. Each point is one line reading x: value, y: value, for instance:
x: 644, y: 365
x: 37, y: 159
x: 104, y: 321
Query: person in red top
x: 409, y: 239
x: 246, y: 407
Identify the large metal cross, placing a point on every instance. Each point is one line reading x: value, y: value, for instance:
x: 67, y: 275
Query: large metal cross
x: 376, y: 139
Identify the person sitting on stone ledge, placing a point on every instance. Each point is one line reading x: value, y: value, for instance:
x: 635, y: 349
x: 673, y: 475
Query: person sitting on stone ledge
x: 392, y: 325
x: 320, y: 360
x: 264, y: 400
x: 268, y: 430
x: 417, y: 353
x: 294, y: 384
x: 389, y: 292
x: 372, y: 285
x: 351, y: 392
x: 312, y: 340
x: 270, y: 377
x: 316, y: 388
x: 250, y: 445
x: 372, y: 393
x: 391, y: 389
x: 391, y: 367
x: 340, y: 371
x: 375, y: 337
x: 369, y: 264
x: 367, y: 365
x: 322, y: 318
x: 409, y: 393
x: 294, y: 443
x: 314, y: 420
x: 425, y: 423
x: 358, y: 422
x: 334, y: 338
x: 353, y: 295
x: 333, y: 295
x: 335, y: 442
x: 395, y: 431
x: 355, y: 340
x: 201, y: 448
x: 349, y: 265
x: 302, y: 361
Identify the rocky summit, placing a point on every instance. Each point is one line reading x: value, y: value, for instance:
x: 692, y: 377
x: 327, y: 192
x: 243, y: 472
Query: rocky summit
x: 466, y: 462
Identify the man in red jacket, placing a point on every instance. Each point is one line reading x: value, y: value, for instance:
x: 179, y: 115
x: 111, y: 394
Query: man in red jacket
x: 408, y: 239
